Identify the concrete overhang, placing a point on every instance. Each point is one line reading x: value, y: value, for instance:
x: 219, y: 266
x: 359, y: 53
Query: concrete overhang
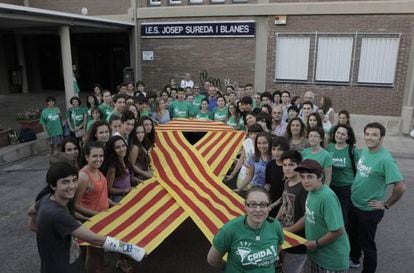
x: 22, y: 19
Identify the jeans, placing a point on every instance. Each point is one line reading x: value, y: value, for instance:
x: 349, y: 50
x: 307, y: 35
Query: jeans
x: 361, y: 232
x: 344, y: 195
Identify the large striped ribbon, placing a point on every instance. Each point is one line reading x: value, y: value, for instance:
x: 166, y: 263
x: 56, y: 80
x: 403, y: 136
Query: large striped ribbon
x: 187, y: 182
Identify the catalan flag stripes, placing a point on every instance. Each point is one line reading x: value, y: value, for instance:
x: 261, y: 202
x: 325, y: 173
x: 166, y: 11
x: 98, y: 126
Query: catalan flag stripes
x: 194, y: 125
x: 188, y: 179
x: 146, y: 216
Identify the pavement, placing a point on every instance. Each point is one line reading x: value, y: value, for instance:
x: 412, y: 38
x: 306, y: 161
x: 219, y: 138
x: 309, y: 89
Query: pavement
x: 399, y: 145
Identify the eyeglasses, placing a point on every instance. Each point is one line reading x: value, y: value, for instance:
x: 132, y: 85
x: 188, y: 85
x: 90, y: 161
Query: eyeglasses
x: 255, y: 205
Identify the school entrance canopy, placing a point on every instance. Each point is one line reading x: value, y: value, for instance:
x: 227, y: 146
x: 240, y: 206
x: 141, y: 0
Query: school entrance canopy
x: 187, y: 182
x: 18, y: 22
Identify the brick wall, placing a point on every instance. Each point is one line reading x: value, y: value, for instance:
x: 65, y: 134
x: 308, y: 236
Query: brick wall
x: 95, y: 7
x: 221, y: 58
x: 386, y: 101
x: 13, y: 2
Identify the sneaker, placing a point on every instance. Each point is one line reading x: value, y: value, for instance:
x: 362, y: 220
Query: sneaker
x: 353, y: 264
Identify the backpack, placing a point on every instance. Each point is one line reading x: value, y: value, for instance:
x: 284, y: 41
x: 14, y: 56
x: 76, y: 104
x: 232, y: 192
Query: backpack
x: 26, y: 135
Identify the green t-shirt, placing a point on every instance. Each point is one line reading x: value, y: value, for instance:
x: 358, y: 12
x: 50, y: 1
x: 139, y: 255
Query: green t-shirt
x: 249, y: 250
x: 89, y: 124
x: 323, y: 157
x: 233, y: 123
x: 75, y: 115
x: 50, y: 118
x: 197, y: 102
x: 180, y: 109
x: 375, y: 171
x: 144, y: 113
x: 324, y: 214
x: 193, y: 110
x: 342, y: 173
x: 106, y: 111
x: 201, y: 115
x: 220, y: 114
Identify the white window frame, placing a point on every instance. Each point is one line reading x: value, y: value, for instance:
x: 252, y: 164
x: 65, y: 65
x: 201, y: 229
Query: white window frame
x: 385, y: 68
x: 195, y: 2
x: 174, y: 2
x: 334, y: 58
x: 302, y: 55
x: 154, y: 2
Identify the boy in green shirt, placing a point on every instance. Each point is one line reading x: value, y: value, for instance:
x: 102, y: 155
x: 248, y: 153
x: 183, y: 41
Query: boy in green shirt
x: 52, y: 124
x: 328, y: 245
x: 376, y: 170
x: 180, y: 108
x: 106, y: 106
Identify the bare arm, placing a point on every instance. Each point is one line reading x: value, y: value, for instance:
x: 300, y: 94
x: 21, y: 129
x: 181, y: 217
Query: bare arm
x: 215, y: 258
x: 248, y: 178
x: 88, y: 236
x: 328, y: 175
x: 329, y: 237
x: 238, y: 165
x: 397, y: 192
x: 32, y: 217
x: 298, y: 226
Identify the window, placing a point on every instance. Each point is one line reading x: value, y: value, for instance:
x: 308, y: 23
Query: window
x: 155, y: 2
x: 378, y: 60
x: 196, y: 1
x: 352, y: 58
x: 217, y: 1
x: 334, y: 59
x: 292, y: 58
x: 175, y: 2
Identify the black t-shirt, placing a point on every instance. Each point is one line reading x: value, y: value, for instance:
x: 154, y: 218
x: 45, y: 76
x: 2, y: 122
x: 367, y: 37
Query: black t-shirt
x: 292, y: 209
x: 274, y: 177
x: 57, y: 248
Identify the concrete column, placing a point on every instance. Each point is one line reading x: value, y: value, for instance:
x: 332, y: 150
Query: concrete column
x: 408, y: 101
x: 22, y: 62
x: 64, y: 33
x: 261, y: 54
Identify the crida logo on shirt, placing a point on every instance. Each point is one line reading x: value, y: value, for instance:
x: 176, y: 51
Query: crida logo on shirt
x: 262, y: 258
x: 363, y: 170
x: 310, y: 215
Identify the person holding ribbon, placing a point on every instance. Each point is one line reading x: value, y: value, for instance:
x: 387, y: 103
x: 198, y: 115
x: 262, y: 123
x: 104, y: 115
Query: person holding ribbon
x: 252, y: 241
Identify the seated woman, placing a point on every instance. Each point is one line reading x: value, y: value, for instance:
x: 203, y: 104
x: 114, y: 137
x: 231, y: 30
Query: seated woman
x: 139, y: 156
x: 252, y: 241
x: 161, y: 115
x: 234, y: 118
x: 256, y: 166
x: 119, y: 169
x: 204, y: 113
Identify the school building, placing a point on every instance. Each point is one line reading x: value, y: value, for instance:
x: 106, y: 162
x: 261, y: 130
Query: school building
x: 359, y: 53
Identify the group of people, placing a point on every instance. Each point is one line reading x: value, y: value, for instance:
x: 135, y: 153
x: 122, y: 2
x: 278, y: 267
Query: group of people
x: 299, y: 169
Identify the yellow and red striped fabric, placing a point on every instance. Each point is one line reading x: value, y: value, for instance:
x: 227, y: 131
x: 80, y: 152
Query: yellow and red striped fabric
x: 194, y: 125
x: 187, y: 183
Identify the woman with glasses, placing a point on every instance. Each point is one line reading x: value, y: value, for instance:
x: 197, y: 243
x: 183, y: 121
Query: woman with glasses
x: 252, y: 241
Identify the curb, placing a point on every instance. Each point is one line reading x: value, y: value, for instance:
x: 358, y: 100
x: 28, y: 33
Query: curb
x: 13, y: 153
